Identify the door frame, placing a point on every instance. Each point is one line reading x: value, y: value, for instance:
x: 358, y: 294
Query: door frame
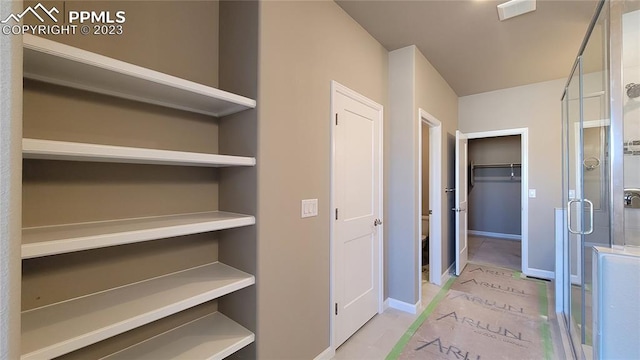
x: 524, y: 191
x: 435, y: 198
x: 335, y: 89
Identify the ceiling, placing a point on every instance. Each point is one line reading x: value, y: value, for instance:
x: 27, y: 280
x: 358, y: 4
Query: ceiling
x: 471, y: 48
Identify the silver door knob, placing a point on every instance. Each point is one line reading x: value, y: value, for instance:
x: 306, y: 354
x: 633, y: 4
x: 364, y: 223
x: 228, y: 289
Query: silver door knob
x: 377, y: 222
x: 448, y: 190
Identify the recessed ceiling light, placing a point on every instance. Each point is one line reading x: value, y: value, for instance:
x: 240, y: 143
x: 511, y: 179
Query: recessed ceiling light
x: 515, y: 8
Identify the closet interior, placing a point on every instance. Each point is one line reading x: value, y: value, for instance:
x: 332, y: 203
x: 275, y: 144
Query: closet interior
x: 494, y: 184
x: 139, y: 193
x: 495, y: 202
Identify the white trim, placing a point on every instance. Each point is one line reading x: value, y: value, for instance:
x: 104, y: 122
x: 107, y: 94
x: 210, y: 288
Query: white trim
x: 559, y: 273
x: 74, y: 151
x: 435, y: 198
x: 403, y: 306
x: 385, y: 304
x: 86, y: 320
x: 524, y: 192
x: 446, y: 275
x: 339, y: 88
x: 495, y: 235
x: 327, y: 354
x: 134, y: 82
x: 496, y: 133
x: 59, y: 239
x: 213, y: 336
x: 332, y: 270
x: 542, y: 274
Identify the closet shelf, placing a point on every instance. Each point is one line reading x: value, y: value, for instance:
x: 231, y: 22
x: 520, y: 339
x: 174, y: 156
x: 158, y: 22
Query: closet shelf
x: 72, y: 151
x: 60, y: 64
x: 58, y: 239
x: 211, y: 337
x: 63, y: 327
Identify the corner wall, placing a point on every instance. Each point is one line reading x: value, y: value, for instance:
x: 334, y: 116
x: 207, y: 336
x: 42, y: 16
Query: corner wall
x: 10, y: 187
x: 414, y: 83
x: 435, y: 96
x: 303, y: 46
x: 537, y: 107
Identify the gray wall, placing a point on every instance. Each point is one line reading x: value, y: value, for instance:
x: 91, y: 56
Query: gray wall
x: 414, y: 84
x: 537, y: 107
x: 238, y: 73
x: 495, y: 200
x: 436, y: 97
x: 303, y: 45
x: 10, y: 186
x: 401, y: 227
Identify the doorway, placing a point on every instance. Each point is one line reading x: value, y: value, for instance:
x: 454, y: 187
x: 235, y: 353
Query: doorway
x: 430, y: 194
x: 487, y: 166
x: 495, y: 229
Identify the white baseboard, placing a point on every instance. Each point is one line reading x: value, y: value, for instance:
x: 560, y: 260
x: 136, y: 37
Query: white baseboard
x: 542, y: 274
x: 446, y: 275
x: 385, y: 304
x: 327, y: 354
x: 403, y: 306
x: 495, y: 235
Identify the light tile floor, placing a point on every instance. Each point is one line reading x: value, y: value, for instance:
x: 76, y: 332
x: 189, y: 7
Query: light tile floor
x: 378, y: 336
x: 499, y: 252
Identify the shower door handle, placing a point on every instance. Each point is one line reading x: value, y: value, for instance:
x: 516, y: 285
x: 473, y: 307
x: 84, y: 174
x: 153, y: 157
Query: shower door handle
x: 590, y: 217
x: 569, y: 217
x: 590, y: 231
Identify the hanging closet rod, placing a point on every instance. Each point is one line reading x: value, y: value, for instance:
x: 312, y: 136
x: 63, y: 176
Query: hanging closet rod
x: 496, y: 165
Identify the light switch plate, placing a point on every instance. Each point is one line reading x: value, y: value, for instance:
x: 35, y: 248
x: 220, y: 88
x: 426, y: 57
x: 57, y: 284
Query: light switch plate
x: 309, y: 208
x: 532, y: 193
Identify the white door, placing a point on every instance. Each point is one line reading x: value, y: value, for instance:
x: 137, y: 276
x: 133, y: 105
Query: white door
x: 356, y: 193
x: 462, y: 179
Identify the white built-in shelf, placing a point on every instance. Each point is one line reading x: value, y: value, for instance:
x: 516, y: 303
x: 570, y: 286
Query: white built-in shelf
x: 65, y: 65
x: 63, y: 327
x: 58, y: 239
x: 72, y: 151
x: 211, y: 337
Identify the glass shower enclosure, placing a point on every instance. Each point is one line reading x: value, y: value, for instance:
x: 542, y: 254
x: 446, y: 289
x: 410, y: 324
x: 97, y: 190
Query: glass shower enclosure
x: 600, y: 119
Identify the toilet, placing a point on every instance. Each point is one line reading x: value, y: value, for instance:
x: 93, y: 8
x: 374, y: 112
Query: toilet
x: 425, y: 229
x: 425, y: 246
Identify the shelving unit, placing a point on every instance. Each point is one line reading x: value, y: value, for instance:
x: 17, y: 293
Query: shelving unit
x: 222, y: 337
x: 60, y: 328
x: 72, y: 151
x: 60, y: 64
x: 52, y: 240
x: 57, y: 329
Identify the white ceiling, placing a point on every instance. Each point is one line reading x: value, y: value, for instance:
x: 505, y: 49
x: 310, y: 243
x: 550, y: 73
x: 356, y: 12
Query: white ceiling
x: 471, y: 48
